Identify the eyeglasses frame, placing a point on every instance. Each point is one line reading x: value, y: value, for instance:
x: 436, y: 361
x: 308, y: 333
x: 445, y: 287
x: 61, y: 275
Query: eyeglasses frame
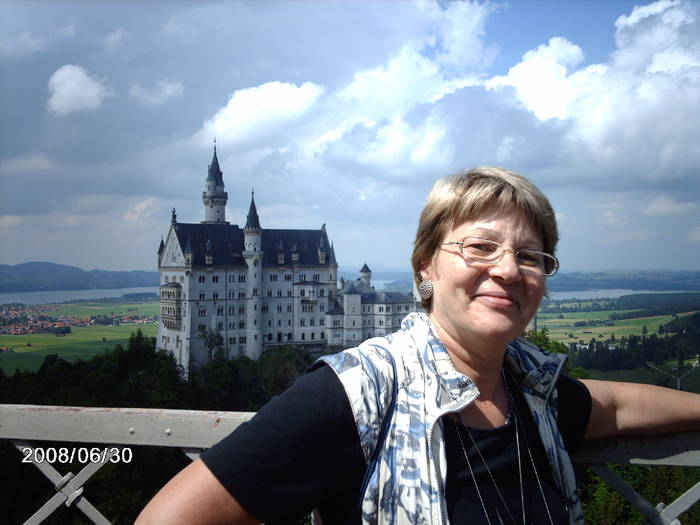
x: 503, y: 252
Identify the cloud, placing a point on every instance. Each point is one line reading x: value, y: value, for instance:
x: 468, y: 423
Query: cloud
x: 694, y: 235
x: 113, y: 40
x: 20, y: 46
x: 72, y: 89
x: 27, y: 164
x: 140, y: 210
x: 665, y: 205
x: 258, y: 113
x: 163, y: 91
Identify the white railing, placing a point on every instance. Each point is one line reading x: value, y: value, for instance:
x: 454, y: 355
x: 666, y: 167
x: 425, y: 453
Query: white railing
x: 117, y: 429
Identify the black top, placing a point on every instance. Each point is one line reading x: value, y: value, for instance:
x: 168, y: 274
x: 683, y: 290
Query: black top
x: 302, y: 451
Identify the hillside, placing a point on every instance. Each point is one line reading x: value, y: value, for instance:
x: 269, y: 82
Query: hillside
x: 44, y: 276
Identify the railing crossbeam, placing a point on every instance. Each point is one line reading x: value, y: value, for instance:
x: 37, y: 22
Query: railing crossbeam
x: 69, y: 488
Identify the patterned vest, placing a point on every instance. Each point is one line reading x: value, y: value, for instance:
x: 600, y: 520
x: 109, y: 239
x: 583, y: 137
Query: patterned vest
x: 408, y: 485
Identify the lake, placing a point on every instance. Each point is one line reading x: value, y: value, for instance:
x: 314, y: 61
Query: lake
x: 61, y: 296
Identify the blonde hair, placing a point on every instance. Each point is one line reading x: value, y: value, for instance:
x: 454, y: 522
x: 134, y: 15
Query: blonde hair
x: 468, y: 195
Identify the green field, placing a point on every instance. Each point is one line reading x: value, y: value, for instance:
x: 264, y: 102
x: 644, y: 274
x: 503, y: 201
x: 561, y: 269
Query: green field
x: 82, y: 343
x: 86, y: 309
x: 559, y: 329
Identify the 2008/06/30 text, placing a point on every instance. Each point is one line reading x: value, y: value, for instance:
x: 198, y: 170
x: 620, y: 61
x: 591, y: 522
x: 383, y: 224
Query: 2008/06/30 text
x: 79, y: 454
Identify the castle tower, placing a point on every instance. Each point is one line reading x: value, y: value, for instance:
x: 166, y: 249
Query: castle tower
x: 366, y: 276
x: 253, y: 256
x: 214, y: 196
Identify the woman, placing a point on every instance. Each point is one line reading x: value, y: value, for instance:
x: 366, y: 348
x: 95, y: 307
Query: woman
x: 483, y: 423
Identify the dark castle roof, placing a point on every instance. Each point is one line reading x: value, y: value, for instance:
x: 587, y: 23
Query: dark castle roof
x: 252, y: 221
x: 385, y: 297
x: 365, y: 269
x: 227, y: 244
x: 215, y: 172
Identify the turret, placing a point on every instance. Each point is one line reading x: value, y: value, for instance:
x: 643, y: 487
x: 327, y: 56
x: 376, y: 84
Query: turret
x: 253, y: 255
x: 366, y: 275
x: 214, y: 196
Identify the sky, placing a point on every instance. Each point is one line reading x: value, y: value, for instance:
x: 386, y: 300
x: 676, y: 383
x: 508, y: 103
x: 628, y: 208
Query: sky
x: 345, y: 113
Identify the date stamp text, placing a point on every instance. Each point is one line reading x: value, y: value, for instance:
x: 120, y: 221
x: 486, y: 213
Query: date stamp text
x: 66, y: 455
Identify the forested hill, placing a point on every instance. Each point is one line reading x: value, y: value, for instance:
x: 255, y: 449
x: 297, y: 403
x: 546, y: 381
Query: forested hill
x: 657, y: 280
x: 44, y: 276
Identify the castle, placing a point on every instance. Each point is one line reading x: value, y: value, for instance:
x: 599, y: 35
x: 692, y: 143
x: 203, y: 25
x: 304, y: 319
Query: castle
x: 258, y: 288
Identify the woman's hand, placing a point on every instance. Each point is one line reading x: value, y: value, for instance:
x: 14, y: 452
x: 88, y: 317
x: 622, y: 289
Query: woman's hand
x: 194, y: 496
x: 632, y: 408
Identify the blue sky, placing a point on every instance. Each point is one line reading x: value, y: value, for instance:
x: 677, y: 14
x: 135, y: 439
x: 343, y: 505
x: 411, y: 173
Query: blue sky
x: 345, y: 113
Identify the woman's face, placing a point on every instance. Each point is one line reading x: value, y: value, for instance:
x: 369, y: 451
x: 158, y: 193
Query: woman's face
x: 477, y: 303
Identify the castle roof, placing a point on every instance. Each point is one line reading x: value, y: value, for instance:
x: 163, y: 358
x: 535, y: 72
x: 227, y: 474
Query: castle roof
x: 227, y: 244
x: 365, y: 269
x: 215, y: 172
x: 374, y: 297
x: 252, y: 221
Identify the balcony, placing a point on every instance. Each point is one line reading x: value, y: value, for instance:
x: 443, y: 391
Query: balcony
x: 115, y: 430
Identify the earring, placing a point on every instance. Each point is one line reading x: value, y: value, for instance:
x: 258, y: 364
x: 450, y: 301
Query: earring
x: 425, y: 289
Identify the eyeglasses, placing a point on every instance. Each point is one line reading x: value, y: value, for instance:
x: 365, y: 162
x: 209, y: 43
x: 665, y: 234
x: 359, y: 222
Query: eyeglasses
x: 490, y: 252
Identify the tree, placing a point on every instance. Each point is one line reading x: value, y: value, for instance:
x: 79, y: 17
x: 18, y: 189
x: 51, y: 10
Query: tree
x: 644, y: 330
x: 214, y: 342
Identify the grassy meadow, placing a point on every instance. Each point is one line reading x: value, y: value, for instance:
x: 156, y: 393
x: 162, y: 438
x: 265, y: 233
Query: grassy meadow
x: 559, y: 329
x: 82, y: 342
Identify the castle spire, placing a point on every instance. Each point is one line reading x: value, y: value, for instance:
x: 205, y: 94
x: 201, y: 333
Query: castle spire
x: 214, y: 196
x: 252, y: 221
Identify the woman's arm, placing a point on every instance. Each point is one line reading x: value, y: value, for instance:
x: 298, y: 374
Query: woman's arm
x: 194, y: 496
x: 632, y: 408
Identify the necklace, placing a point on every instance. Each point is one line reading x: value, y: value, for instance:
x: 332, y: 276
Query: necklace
x: 518, y: 425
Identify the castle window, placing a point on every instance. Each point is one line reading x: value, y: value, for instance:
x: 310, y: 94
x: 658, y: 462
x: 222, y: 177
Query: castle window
x: 317, y: 277
x: 289, y: 307
x: 230, y: 278
x: 322, y: 307
x: 302, y: 322
x: 220, y: 326
x: 381, y: 309
x: 220, y: 310
x: 202, y: 312
x: 353, y: 323
x: 322, y: 292
x: 302, y: 277
x: 322, y: 321
x: 279, y: 308
x: 302, y: 293
x: 269, y: 323
x: 241, y: 295
x: 289, y: 293
x: 215, y: 295
x: 215, y: 279
x: 231, y: 294
x: 241, y: 325
x: 255, y: 292
x: 232, y: 326
x: 167, y: 279
x: 243, y: 339
x: 201, y: 327
x: 201, y: 296
x: 232, y: 340
x: 287, y: 277
x: 269, y: 293
x: 241, y: 310
x: 202, y: 278
x: 312, y: 322
x: 313, y: 335
x: 279, y: 322
x: 303, y: 336
x: 381, y: 322
x: 264, y: 308
x: 323, y: 336
x: 279, y: 293
x: 273, y: 278
x: 241, y: 278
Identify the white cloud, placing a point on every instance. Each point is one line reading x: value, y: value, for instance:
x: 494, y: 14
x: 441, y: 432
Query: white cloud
x: 68, y: 30
x: 252, y: 114
x: 461, y: 35
x: 20, y: 46
x: 694, y: 235
x: 27, y: 164
x: 114, y: 39
x: 72, y: 89
x: 163, y: 91
x: 665, y: 205
x: 141, y: 210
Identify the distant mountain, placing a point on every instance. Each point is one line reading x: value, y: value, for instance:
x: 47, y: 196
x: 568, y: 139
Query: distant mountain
x: 44, y: 276
x: 657, y: 280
